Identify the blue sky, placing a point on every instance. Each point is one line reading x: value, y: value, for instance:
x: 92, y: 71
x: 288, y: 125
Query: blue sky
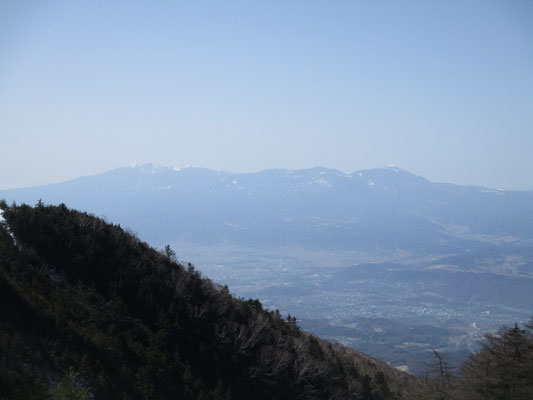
x: 443, y: 89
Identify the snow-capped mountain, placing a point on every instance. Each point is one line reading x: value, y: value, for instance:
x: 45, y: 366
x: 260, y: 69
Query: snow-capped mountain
x: 318, y: 207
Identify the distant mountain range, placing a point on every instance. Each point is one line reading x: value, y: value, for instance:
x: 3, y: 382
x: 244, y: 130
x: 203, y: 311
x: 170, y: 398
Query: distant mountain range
x: 381, y: 259
x: 383, y: 209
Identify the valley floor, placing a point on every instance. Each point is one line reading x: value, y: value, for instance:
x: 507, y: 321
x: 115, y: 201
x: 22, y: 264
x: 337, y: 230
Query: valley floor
x: 396, y: 308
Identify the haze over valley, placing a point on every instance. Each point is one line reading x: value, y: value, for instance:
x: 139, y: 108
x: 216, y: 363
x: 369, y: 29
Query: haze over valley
x: 381, y: 260
x: 266, y: 200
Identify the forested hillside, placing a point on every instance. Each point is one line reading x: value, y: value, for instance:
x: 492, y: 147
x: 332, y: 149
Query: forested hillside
x: 90, y: 311
x: 501, y: 370
x: 438, y: 263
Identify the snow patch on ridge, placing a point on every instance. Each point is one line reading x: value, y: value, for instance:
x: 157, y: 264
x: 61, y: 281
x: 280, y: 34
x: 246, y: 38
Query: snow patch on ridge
x: 499, y: 191
x: 323, y: 182
x: 234, y: 182
x: 2, y: 219
x: 148, y: 167
x: 180, y: 167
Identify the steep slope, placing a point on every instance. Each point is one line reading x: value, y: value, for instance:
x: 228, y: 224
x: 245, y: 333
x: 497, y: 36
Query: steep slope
x: 90, y: 311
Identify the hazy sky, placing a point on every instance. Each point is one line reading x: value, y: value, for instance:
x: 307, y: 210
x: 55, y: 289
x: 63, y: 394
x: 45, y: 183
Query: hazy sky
x: 443, y: 89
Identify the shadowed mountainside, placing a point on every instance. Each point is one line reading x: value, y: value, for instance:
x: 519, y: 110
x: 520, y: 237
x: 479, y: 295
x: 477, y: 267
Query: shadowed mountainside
x: 89, y: 310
